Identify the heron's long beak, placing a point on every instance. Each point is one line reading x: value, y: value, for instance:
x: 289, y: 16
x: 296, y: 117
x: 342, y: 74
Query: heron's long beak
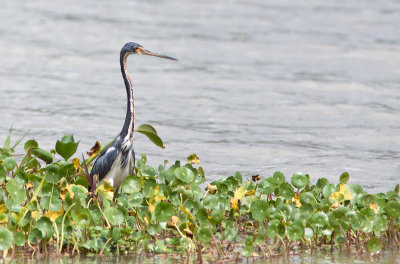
x: 147, y: 52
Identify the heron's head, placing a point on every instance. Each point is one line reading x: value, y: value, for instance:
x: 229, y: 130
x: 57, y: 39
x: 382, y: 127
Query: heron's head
x: 134, y: 48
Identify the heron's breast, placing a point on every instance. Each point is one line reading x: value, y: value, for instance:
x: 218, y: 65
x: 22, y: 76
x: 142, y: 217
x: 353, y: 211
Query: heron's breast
x: 119, y: 172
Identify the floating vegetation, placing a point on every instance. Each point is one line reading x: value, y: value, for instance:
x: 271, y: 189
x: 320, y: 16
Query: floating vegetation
x: 46, y: 208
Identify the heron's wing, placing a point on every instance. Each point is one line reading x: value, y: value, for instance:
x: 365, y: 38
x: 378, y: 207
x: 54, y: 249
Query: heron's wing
x: 104, y: 162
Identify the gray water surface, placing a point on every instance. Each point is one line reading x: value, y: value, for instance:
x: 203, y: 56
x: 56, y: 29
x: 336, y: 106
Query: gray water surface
x: 260, y: 86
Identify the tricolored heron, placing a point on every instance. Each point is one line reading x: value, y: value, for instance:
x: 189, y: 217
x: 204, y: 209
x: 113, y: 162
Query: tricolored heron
x: 118, y: 160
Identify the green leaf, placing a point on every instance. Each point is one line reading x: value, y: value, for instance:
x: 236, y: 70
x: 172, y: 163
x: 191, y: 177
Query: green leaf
x: 286, y: 191
x: 392, y: 209
x: 151, y: 133
x: 258, y: 210
x: 131, y: 184
x: 51, y: 203
x: 320, y: 219
x: 10, y: 163
x: 136, y: 199
x: 53, y: 173
x: 308, y: 233
x: 299, y: 180
x: 295, y: 232
x: 16, y: 191
x: 30, y: 144
x: 204, y: 235
x: 19, y: 239
x: 164, y: 211
x: 380, y: 224
x: 43, y: 155
x: 344, y: 178
x: 266, y: 186
x: 114, y: 215
x: 278, y: 177
x: 210, y: 202
x: 247, y: 251
x: 307, y: 198
x: 66, y: 147
x: 44, y: 225
x: 374, y: 245
x: 6, y: 239
x: 149, y: 188
x: 275, y: 227
x: 184, y: 174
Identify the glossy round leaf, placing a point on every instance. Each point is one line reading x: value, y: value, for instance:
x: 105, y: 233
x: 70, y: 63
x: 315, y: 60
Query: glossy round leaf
x: 258, y: 210
x: 320, y: 219
x: 19, y: 238
x: 30, y: 144
x: 131, y: 184
x: 149, y: 188
x: 9, y: 163
x: 374, y: 245
x: 392, y: 209
x: 53, y: 173
x: 204, y: 235
x: 6, y: 239
x: 307, y: 198
x: 286, y: 191
x: 210, y: 202
x: 114, y: 215
x: 380, y: 224
x: 164, y: 211
x: 184, y: 174
x: 278, y: 177
x: 266, y: 186
x: 308, y: 233
x: 16, y: 191
x: 295, y: 232
x: 299, y: 180
x: 275, y: 227
x: 44, y: 225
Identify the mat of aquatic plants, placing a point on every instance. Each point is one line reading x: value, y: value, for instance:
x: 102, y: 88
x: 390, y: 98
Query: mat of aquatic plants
x: 48, y: 208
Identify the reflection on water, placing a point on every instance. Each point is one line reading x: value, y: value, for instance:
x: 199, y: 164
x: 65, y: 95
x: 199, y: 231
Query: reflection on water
x: 321, y: 256
x: 260, y: 86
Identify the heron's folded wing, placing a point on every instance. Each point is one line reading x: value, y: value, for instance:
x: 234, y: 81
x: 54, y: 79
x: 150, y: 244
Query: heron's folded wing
x: 104, y: 162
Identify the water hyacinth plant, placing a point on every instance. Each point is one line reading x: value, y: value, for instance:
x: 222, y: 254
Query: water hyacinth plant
x: 45, y: 207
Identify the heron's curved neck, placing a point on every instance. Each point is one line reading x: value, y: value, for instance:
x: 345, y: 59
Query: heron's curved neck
x: 128, y: 127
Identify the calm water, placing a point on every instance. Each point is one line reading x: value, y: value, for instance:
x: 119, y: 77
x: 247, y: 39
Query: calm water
x: 322, y: 256
x: 260, y: 85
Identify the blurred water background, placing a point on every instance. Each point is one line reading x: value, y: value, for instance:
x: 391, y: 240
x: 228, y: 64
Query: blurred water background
x: 260, y: 86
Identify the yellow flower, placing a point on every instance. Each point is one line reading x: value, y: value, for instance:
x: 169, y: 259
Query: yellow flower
x: 35, y: 215
x: 251, y: 192
x: 77, y: 164
x: 337, y: 198
x: 52, y: 215
x: 296, y: 200
x: 346, y: 192
x: 374, y: 207
x: 152, y: 204
x: 240, y: 193
x: 3, y: 208
x: 234, y: 203
x: 193, y: 159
